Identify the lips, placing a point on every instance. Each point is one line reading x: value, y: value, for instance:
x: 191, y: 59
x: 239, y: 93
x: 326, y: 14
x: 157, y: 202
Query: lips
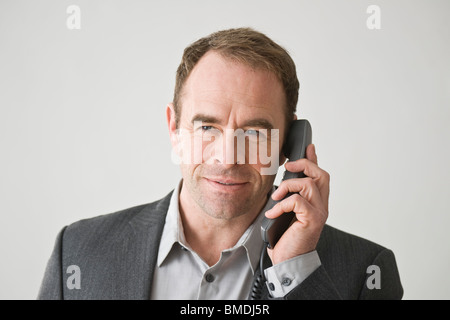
x: 226, y: 181
x: 226, y: 184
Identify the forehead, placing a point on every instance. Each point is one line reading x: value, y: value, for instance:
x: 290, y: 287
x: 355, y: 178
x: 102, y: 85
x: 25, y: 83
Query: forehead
x: 224, y: 88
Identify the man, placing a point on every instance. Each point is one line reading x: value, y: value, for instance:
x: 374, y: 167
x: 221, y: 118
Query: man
x: 203, y: 241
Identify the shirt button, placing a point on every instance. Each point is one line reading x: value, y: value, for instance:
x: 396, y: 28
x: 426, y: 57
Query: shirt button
x: 209, y: 277
x: 286, y: 282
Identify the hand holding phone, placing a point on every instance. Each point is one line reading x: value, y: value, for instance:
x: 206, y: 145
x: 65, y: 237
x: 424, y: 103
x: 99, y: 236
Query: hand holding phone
x: 293, y: 227
x: 298, y: 139
x: 304, y: 238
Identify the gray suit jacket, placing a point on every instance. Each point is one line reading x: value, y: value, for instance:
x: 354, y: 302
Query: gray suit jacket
x: 116, y: 255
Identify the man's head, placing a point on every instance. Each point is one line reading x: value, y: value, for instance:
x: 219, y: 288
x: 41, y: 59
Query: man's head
x: 232, y: 80
x: 246, y: 46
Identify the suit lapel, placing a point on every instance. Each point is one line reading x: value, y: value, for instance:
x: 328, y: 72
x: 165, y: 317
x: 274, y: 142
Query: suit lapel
x: 142, y: 249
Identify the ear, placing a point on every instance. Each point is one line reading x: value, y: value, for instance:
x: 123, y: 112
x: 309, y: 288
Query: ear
x: 170, y: 115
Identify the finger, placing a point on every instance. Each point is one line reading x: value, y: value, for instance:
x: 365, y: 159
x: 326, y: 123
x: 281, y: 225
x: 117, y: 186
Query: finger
x: 294, y: 203
x: 308, y: 167
x: 306, y: 187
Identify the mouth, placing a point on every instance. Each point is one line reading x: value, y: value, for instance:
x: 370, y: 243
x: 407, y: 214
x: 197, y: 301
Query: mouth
x: 225, y: 184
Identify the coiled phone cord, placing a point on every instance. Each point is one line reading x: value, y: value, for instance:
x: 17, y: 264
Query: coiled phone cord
x: 260, y: 280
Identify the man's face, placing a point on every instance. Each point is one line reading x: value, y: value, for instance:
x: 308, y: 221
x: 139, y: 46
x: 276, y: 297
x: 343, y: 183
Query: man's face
x: 219, y: 97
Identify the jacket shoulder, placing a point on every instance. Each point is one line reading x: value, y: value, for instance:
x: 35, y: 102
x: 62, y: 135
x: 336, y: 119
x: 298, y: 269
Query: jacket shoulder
x: 341, y: 249
x: 335, y: 238
x: 96, y: 233
x: 115, y: 253
x: 347, y: 259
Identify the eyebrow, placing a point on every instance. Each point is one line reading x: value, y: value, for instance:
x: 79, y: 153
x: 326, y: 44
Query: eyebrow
x: 258, y: 122
x: 204, y: 118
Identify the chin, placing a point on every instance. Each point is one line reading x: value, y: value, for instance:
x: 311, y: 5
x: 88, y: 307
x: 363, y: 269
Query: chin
x: 225, y: 212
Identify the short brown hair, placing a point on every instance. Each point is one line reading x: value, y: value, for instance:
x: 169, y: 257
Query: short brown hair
x: 246, y: 46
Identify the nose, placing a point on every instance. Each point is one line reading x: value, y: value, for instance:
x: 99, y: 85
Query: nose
x: 230, y: 148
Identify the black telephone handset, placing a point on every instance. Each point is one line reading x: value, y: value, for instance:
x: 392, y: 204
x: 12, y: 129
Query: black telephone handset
x: 299, y: 137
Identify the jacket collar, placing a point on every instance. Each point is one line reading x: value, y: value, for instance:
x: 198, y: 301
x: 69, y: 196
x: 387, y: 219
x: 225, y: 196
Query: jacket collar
x: 147, y: 227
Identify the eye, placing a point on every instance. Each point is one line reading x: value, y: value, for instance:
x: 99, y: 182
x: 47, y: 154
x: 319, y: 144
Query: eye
x: 256, y: 134
x: 208, y: 131
x: 252, y: 132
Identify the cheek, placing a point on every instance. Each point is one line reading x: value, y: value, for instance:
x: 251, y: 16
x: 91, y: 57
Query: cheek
x: 264, y: 184
x: 192, y: 178
x: 209, y: 150
x: 265, y: 155
x: 189, y: 147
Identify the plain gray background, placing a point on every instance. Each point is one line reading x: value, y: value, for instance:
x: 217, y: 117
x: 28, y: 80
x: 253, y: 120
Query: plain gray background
x: 83, y: 130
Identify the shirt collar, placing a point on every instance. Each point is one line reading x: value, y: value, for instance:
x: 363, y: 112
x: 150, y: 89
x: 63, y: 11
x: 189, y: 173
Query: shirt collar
x: 173, y: 228
x: 173, y: 233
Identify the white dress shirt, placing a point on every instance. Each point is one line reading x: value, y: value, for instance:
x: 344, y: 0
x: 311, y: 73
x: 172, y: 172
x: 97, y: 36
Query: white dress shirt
x: 181, y: 274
